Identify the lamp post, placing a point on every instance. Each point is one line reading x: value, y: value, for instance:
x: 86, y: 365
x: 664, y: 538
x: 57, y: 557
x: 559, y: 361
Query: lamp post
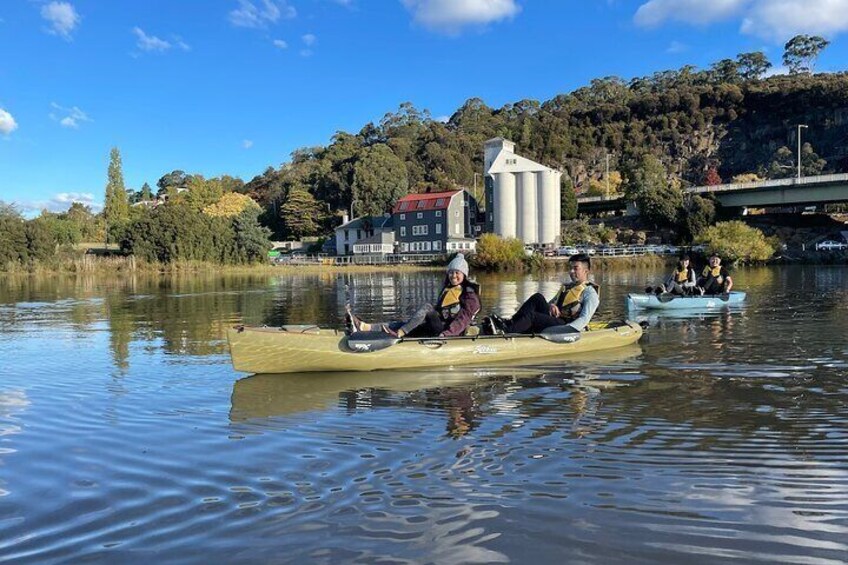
x: 799, y: 148
x: 607, y: 173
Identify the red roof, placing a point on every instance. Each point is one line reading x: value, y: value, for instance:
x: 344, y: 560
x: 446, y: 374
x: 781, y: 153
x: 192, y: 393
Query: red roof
x: 424, y: 201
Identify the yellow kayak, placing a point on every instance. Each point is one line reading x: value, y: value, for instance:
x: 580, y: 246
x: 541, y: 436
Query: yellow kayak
x: 298, y: 349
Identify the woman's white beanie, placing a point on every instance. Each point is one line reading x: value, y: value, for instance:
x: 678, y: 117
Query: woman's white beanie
x: 459, y: 264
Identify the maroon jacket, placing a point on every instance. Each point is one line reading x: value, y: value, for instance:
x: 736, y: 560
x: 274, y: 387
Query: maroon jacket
x: 469, y: 306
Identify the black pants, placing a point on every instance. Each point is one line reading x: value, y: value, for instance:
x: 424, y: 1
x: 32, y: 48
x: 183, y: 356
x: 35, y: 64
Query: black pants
x: 533, y: 317
x: 711, y: 285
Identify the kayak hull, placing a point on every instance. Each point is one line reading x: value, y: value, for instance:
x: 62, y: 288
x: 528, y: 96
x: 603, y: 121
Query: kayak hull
x: 296, y: 349
x: 667, y: 302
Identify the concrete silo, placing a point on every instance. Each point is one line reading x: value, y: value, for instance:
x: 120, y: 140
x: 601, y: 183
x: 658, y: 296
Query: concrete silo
x: 522, y: 197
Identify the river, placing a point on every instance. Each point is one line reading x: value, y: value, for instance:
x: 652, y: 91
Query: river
x: 126, y: 436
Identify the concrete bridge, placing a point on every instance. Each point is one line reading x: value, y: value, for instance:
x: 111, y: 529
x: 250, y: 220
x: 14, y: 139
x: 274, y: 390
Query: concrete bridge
x: 804, y: 191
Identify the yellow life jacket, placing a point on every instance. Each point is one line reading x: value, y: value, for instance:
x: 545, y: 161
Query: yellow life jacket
x: 568, y: 299
x: 681, y: 277
x: 448, y: 304
x: 714, y: 271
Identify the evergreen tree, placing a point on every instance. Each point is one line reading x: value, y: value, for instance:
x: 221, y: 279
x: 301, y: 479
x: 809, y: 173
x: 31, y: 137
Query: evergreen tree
x: 379, y: 179
x: 146, y: 193
x: 300, y: 215
x: 116, y: 206
x: 647, y: 185
x: 569, y: 199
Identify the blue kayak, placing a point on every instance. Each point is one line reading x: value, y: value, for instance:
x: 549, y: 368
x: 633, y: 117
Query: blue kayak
x: 674, y: 302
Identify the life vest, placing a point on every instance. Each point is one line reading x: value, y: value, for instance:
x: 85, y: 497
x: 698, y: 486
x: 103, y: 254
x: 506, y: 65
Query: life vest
x: 449, y: 303
x: 681, y: 277
x: 715, y: 272
x: 568, y: 299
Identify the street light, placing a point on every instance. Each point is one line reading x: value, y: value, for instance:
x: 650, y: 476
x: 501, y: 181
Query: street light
x: 607, y: 173
x: 799, y: 148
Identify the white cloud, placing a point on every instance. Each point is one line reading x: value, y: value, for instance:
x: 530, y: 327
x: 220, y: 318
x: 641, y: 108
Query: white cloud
x: 676, y: 47
x: 150, y: 42
x: 267, y: 12
x: 280, y: 44
x: 68, y: 117
x: 775, y: 20
x: 7, y: 122
x: 779, y: 20
x: 655, y: 12
x: 63, y: 18
x: 309, y: 39
x: 450, y: 16
x: 178, y: 41
x: 306, y: 52
x: 442, y: 119
x: 247, y: 143
x: 59, y: 203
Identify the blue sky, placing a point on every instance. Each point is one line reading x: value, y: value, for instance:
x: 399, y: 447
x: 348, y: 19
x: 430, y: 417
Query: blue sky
x: 233, y: 86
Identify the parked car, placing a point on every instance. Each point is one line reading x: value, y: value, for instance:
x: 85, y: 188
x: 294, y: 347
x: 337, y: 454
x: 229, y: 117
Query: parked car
x: 567, y: 250
x: 830, y: 245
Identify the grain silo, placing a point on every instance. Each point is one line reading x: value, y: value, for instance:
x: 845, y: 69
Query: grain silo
x: 522, y: 196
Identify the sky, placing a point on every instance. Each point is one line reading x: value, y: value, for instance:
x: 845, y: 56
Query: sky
x: 232, y: 87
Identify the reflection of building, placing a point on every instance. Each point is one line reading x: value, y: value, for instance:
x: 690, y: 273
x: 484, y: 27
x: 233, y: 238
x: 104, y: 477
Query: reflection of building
x: 351, y: 232
x: 522, y: 196
x: 435, y: 222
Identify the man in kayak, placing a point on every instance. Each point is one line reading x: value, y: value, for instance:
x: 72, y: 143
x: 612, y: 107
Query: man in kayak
x: 715, y: 279
x: 573, y: 306
x: 454, y: 311
x: 680, y: 282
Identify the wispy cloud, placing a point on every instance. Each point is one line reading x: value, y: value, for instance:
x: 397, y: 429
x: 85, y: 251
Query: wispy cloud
x: 58, y: 203
x: 261, y: 14
x: 309, y: 39
x: 150, y: 43
x: 774, y: 20
x: 247, y: 143
x: 451, y: 16
x: 62, y: 17
x: 7, y: 122
x: 676, y: 47
x: 280, y: 44
x: 68, y: 117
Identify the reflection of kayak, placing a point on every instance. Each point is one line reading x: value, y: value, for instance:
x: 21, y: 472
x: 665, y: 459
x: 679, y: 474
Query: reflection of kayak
x: 675, y: 302
x: 295, y: 349
x: 270, y: 395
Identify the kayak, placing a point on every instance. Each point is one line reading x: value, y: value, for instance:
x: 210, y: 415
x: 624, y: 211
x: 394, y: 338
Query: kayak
x: 668, y: 301
x: 301, y: 348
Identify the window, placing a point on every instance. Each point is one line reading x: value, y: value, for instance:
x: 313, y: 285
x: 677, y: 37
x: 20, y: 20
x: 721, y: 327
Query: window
x: 422, y: 203
x: 403, y: 216
x: 438, y: 213
x: 404, y: 205
x: 347, y: 237
x: 358, y: 234
x: 440, y: 202
x: 456, y: 228
x: 437, y: 246
x: 404, y: 247
x: 403, y: 231
x: 426, y: 246
x: 419, y: 215
x: 438, y: 229
x: 420, y: 230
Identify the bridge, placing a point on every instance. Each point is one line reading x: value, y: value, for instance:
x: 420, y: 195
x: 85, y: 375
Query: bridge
x: 804, y: 191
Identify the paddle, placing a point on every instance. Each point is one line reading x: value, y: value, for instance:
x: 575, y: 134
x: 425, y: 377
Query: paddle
x: 366, y: 342
x: 560, y: 334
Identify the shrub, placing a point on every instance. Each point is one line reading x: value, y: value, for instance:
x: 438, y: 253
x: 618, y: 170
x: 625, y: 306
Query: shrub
x: 735, y: 241
x: 496, y: 254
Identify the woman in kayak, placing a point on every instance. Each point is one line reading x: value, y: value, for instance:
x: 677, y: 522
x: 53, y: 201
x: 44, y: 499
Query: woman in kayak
x: 681, y: 281
x: 454, y: 311
x: 715, y: 279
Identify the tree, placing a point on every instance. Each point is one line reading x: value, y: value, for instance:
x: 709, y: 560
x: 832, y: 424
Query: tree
x: 696, y: 215
x: 379, y: 179
x: 752, y: 65
x: 726, y: 70
x: 170, y: 182
x: 116, y: 205
x: 736, y: 241
x: 782, y: 164
x: 230, y: 205
x: 568, y: 199
x: 13, y: 239
x: 811, y: 164
x: 301, y: 215
x: 146, y: 193
x: 712, y: 177
x: 251, y: 238
x: 647, y: 185
x: 801, y: 51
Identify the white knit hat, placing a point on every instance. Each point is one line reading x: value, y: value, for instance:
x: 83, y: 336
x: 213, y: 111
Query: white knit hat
x: 459, y: 264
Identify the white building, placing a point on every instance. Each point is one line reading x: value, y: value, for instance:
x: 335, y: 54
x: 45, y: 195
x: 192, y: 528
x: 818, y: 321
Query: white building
x: 522, y: 196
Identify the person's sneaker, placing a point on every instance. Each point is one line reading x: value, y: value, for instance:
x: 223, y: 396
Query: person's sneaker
x: 499, y: 324
x: 700, y: 290
x: 390, y: 331
x: 488, y: 326
x: 352, y: 323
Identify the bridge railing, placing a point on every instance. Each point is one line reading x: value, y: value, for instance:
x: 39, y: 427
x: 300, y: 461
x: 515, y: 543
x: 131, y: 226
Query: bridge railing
x: 815, y: 179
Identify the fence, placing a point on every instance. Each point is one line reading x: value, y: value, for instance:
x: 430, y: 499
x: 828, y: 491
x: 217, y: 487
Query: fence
x: 348, y: 260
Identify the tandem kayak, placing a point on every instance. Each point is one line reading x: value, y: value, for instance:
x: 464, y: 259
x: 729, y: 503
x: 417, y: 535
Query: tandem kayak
x: 297, y: 349
x: 675, y: 302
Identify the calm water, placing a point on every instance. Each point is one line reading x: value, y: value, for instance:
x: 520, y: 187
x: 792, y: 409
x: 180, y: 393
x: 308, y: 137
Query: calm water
x: 126, y: 436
